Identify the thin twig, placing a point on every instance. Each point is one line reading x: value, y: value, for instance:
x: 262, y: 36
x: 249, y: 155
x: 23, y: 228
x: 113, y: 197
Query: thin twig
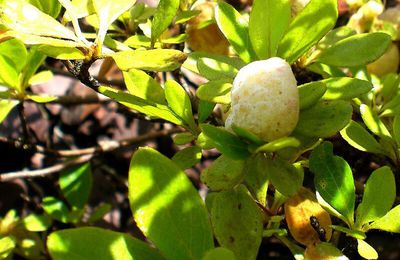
x: 106, y: 146
x: 46, y: 171
x: 22, y: 119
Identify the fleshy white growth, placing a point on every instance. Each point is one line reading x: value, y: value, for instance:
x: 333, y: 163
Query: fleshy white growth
x: 265, y: 99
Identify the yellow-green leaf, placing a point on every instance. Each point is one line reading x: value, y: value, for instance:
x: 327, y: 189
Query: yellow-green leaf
x: 5, y: 107
x: 216, y: 91
x: 366, y: 250
x: 61, y: 53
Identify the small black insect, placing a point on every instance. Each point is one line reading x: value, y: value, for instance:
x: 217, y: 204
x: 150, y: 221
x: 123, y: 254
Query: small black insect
x: 317, y: 227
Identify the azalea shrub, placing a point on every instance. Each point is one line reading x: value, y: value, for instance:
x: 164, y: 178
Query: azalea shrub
x: 271, y: 88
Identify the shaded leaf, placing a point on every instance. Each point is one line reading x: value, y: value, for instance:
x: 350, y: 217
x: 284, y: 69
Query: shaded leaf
x: 333, y: 180
x: 205, y: 109
x: 225, y: 142
x: 185, y: 16
x: 360, y: 138
x: 97, y: 243
x: 307, y: 28
x: 76, y: 184
x: 356, y: 50
x: 235, y: 29
x: 278, y: 144
x: 310, y: 93
x: 219, y: 253
x: 224, y: 173
x: 165, y: 204
x: 324, y: 119
x: 56, y: 209
x: 237, y: 222
x: 268, y: 22
x: 183, y: 138
x: 256, y: 177
x: 187, y: 157
x: 350, y: 232
x: 99, y: 212
x: 153, y: 60
x: 378, y: 197
x: 396, y: 129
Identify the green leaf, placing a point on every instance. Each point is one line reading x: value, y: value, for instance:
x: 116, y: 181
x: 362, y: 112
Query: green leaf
x: 345, y: 88
x: 179, y: 102
x: 325, y: 70
x: 142, y: 85
x: 268, y: 22
x: 307, y: 28
x: 365, y: 250
x: 213, y: 69
x: 25, y: 18
x: 36, y: 223
x: 41, y: 77
x: 333, y: 180
x: 334, y: 36
x: 224, y: 173
x: 237, y: 222
x: 216, y: 91
x: 378, y: 197
x: 183, y: 138
x: 396, y: 129
x: 185, y: 16
x: 225, y: 142
x: 41, y: 98
x: 5, y: 108
x: 144, y: 106
x: 188, y: 157
x: 99, y: 212
x: 205, y: 109
x: 359, y: 138
x: 286, y: 178
x: 235, y: 28
x: 152, y: 60
x: 390, y: 83
x: 310, y: 93
x: 350, y: 232
x: 97, y: 243
x: 61, y: 53
x: 373, y: 122
x: 56, y: 209
x: 107, y: 12
x: 50, y: 7
x: 16, y: 53
x: 8, y: 73
x: 166, y: 205
x: 194, y: 57
x: 256, y: 177
x: 278, y: 144
x: 356, y: 50
x: 165, y: 13
x: 219, y: 253
x: 34, y: 61
x: 7, y: 245
x: 76, y: 184
x: 247, y: 135
x: 181, y: 38
x: 389, y: 222
x: 325, y: 118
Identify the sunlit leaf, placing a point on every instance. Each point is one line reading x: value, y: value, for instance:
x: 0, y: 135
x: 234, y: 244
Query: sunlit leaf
x: 76, y: 184
x: 373, y: 122
x: 185, y: 16
x: 350, y: 232
x: 16, y: 53
x: 216, y: 91
x: 36, y: 223
x: 5, y: 108
x: 378, y: 197
x: 345, y: 88
x: 144, y: 106
x: 358, y: 137
x: 56, y: 209
x: 165, y: 204
x: 41, y: 77
x: 7, y: 245
x: 50, y: 7
x: 389, y: 222
x: 235, y: 28
x: 97, y: 243
x: 268, y: 22
x: 165, y: 13
x: 237, y: 222
x: 278, y: 144
x: 365, y: 250
x: 307, y: 28
x: 333, y: 180
x: 61, y: 53
x: 153, y: 60
x: 194, y: 57
x: 356, y: 50
x: 224, y: 173
x: 140, y: 84
x: 396, y: 129
x: 183, y: 138
x: 8, y: 73
x: 179, y: 102
x: 213, y: 69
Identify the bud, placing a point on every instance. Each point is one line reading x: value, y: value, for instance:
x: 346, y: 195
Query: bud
x: 265, y: 99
